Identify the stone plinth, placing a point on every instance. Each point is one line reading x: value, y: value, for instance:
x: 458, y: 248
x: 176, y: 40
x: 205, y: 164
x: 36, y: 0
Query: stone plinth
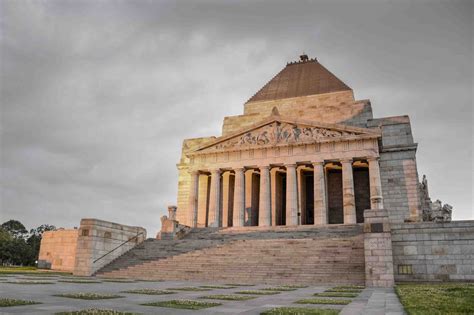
x: 378, y: 249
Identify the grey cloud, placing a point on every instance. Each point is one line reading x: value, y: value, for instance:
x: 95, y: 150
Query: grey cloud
x: 97, y: 96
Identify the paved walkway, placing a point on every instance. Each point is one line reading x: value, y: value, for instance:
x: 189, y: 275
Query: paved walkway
x: 370, y: 301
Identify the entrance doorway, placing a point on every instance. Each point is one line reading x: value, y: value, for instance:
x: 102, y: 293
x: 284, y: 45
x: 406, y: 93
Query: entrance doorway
x: 361, y: 191
x: 307, y: 197
x: 280, y: 198
x: 335, y: 197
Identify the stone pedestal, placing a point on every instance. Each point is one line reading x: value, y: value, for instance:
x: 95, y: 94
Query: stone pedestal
x: 378, y: 249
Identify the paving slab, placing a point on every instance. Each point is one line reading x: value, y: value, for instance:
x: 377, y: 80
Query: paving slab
x: 369, y: 301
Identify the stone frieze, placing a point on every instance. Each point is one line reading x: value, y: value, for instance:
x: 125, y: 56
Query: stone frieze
x: 281, y: 133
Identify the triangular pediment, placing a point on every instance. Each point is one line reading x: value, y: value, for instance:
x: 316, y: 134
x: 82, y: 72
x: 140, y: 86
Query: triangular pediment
x: 276, y: 131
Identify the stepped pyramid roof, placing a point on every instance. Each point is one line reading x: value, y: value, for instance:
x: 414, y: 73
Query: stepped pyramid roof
x: 300, y: 78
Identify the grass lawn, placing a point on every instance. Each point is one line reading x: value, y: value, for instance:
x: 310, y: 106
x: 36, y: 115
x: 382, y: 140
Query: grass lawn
x: 95, y: 311
x: 149, y: 291
x: 188, y: 289
x: 30, y: 271
x: 279, y: 289
x: 299, y: 311
x: 4, y: 302
x: 355, y: 287
x: 337, y: 294
x: 217, y: 286
x: 324, y: 301
x: 89, y: 296
x: 26, y: 282
x: 183, y: 304
x: 258, y: 292
x: 344, y: 290
x: 433, y: 298
x: 228, y: 297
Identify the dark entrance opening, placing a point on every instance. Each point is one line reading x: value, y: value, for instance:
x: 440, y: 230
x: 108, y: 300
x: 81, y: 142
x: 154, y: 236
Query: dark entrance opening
x: 307, y: 197
x: 255, y: 199
x: 335, y: 201
x: 280, y: 198
x: 361, y: 191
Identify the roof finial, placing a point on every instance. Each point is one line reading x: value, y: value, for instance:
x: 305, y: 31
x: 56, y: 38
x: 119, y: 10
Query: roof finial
x: 304, y: 57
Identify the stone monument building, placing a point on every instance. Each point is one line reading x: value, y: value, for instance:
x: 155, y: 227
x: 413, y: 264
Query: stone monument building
x: 304, y: 152
x: 305, y: 187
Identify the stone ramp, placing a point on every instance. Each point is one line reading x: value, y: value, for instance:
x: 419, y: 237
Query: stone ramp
x: 303, y: 255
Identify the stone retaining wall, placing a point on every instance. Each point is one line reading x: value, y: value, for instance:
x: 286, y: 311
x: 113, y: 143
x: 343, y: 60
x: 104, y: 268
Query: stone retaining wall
x: 433, y: 251
x: 58, y: 249
x: 97, y: 238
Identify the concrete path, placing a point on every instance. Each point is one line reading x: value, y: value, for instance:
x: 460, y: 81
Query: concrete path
x: 370, y: 301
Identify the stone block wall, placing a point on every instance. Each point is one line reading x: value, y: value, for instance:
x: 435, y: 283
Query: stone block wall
x: 59, y: 249
x: 431, y: 251
x: 398, y: 170
x: 338, y: 107
x: 97, y: 238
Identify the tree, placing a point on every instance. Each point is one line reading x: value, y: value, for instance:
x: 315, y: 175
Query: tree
x: 15, y: 228
x: 17, y: 246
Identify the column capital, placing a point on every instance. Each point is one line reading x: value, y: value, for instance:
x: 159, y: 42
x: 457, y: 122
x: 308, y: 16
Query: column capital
x: 317, y: 163
x: 347, y: 160
x: 290, y: 165
x: 373, y: 158
x: 215, y: 171
x: 264, y: 167
x: 239, y: 169
x: 193, y: 172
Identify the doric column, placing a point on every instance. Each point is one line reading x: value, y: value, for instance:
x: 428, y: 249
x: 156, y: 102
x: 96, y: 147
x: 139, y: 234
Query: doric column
x: 239, y: 197
x: 214, y: 198
x: 376, y: 198
x: 264, y: 210
x: 348, y: 192
x: 291, y: 195
x: 193, y: 198
x: 320, y: 204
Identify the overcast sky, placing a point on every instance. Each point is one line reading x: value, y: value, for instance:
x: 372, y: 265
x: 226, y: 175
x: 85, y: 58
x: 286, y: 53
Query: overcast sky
x: 97, y: 96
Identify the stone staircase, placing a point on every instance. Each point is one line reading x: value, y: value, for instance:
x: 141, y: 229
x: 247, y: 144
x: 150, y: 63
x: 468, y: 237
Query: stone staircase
x: 275, y: 255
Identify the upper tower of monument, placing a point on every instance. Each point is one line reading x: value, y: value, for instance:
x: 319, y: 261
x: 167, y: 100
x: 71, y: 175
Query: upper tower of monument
x: 300, y: 78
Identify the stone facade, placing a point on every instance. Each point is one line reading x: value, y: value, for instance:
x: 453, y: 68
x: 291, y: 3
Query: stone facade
x: 429, y: 251
x: 310, y: 154
x: 58, y: 249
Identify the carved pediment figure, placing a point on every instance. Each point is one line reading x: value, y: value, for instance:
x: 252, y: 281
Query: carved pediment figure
x: 277, y: 130
x: 281, y: 133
